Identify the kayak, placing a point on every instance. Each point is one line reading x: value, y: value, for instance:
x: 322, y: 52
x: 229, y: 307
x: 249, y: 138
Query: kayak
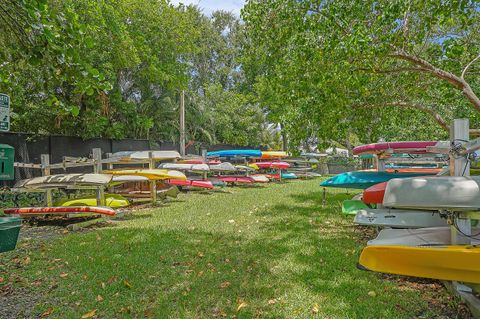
x: 59, y: 210
x: 363, y: 180
x: 440, y: 193
x: 426, y: 170
x: 450, y: 262
x: 431, y: 236
x: 151, y: 174
x: 142, y: 155
x: 236, y: 179
x: 191, y: 183
x: 398, y: 218
x: 111, y: 200
x: 185, y: 167
x: 374, y: 194
x: 288, y: 175
x: 352, y: 206
x: 65, y: 181
x: 412, y: 147
x: 277, y: 165
x: 223, y: 167
x: 273, y: 154
x: 233, y: 153
x: 260, y: 178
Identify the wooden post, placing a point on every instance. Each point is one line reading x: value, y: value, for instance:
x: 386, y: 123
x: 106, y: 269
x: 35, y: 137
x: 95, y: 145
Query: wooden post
x: 45, y: 161
x: 153, y: 184
x: 460, y: 166
x: 97, y: 168
x: 110, y: 167
x: 182, y: 123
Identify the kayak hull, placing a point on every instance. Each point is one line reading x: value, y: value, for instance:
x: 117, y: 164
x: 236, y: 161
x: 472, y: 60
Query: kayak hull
x: 32, y: 211
x: 111, y: 200
x: 151, y: 174
x: 398, y: 218
x: 411, y: 147
x: 363, y: 180
x: 191, y: 183
x: 233, y: 153
x: 455, y: 263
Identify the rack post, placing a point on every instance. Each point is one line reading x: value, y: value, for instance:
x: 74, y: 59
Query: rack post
x: 153, y: 184
x: 45, y: 161
x: 97, y: 168
x: 460, y: 166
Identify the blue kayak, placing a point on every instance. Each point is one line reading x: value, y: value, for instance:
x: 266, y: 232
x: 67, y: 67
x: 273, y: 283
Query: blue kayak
x: 363, y: 180
x: 287, y: 175
x: 232, y: 153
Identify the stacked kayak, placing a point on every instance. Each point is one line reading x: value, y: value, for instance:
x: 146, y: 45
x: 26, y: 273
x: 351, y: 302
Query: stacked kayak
x: 273, y: 165
x: 363, y: 180
x: 408, y: 147
x: 151, y: 174
x: 398, y: 218
x: 65, y: 181
x: 32, y: 211
x: 191, y: 183
x: 236, y: 153
x: 111, y: 200
x: 235, y: 179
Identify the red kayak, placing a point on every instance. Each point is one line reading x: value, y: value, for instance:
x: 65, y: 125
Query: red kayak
x: 411, y: 147
x: 235, y: 179
x: 426, y: 170
x: 374, y: 194
x: 60, y: 210
x: 278, y: 165
x: 202, y: 184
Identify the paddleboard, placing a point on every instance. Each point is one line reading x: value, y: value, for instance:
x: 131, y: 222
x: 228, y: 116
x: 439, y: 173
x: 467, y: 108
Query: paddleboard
x: 398, y: 218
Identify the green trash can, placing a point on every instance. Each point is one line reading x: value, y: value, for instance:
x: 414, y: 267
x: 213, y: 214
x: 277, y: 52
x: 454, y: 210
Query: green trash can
x: 9, y: 231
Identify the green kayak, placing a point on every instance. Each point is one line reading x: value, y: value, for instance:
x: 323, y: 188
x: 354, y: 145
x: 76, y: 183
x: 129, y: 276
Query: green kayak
x: 352, y: 206
x: 111, y: 200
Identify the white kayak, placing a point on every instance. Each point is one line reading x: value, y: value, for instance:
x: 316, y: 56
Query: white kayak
x: 260, y: 178
x: 432, y: 236
x: 65, y: 181
x: 185, y: 167
x: 399, y: 218
x: 434, y: 193
x: 142, y: 155
x: 223, y: 167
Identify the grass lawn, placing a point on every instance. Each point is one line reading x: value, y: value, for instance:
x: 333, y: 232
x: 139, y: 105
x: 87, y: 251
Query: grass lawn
x: 266, y: 252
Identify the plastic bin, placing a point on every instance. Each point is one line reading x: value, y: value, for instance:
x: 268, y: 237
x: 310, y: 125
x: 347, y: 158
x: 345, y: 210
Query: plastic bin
x: 9, y: 231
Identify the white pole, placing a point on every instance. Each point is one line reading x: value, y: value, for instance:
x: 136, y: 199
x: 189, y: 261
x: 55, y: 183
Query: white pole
x: 182, y: 123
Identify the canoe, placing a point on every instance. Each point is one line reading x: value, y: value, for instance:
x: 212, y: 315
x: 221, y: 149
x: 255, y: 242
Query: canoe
x: 410, y: 147
x: 277, y: 165
x: 273, y: 154
x: 151, y: 174
x: 233, y: 153
x: 260, y: 178
x: 191, y: 183
x: 399, y: 218
x: 65, y: 181
x: 223, y: 167
x: 111, y: 200
x: 438, y: 193
x: 451, y: 262
x: 236, y: 179
x: 185, y: 167
x: 31, y: 211
x: 128, y: 156
x: 363, y: 180
x: 352, y: 206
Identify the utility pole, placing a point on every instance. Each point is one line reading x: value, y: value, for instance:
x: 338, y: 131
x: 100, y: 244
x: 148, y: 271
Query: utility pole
x: 182, y: 123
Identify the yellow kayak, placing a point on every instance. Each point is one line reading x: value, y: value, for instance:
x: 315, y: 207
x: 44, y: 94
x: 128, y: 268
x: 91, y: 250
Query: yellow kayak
x: 456, y: 263
x: 151, y: 174
x: 111, y: 200
x: 273, y: 154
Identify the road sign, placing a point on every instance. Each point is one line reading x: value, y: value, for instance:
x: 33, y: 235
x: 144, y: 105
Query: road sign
x: 4, y: 113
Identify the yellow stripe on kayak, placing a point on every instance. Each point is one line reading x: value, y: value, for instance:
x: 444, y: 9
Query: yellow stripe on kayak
x: 456, y: 263
x: 151, y: 174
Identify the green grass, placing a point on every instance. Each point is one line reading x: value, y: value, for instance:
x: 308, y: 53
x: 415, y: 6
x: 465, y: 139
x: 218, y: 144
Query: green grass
x: 273, y: 251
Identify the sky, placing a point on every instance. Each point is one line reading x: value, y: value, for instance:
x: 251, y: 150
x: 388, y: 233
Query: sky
x: 209, y: 6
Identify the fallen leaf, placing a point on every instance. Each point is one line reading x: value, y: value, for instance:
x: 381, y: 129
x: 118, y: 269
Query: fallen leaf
x: 231, y: 221
x: 242, y: 305
x: 201, y: 255
x: 65, y: 231
x: 103, y: 285
x: 26, y: 261
x: 225, y: 284
x: 47, y: 313
x: 148, y: 312
x: 99, y: 298
x: 1, y: 279
x: 98, y: 237
x: 63, y: 275
x: 315, y: 308
x: 127, y: 284
x: 272, y: 301
x: 90, y: 314
x: 372, y: 293
x: 112, y: 279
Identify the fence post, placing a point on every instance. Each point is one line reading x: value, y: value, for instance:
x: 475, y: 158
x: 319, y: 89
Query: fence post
x: 97, y: 168
x: 45, y: 161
